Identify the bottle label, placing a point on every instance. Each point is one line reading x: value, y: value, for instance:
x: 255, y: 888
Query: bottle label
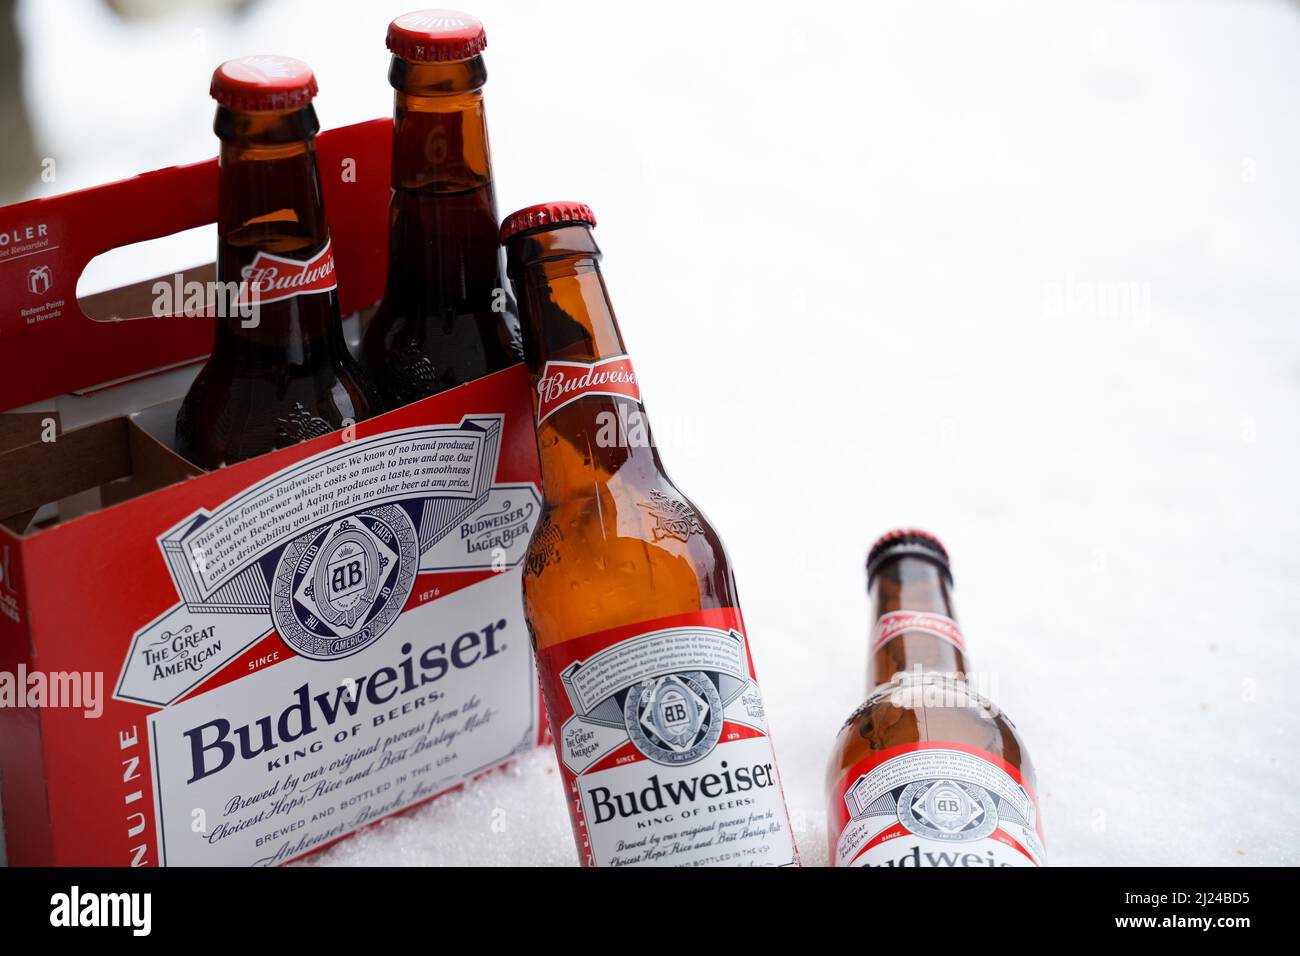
x: 270, y: 278
x: 663, y: 744
x: 564, y: 382
x: 935, y: 804
x: 340, y: 640
x: 895, y: 622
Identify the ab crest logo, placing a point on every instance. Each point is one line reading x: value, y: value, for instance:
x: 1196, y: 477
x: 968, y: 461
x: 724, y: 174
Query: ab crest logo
x: 339, y: 587
x: 950, y: 810
x: 674, y: 720
x: 322, y: 557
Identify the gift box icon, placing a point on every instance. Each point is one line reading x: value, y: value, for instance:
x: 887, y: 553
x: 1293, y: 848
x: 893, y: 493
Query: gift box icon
x: 38, y: 279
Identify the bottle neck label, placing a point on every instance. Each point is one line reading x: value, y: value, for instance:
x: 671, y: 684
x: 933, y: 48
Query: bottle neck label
x: 271, y: 278
x: 562, y: 383
x: 663, y: 743
x: 893, y: 623
x: 934, y: 804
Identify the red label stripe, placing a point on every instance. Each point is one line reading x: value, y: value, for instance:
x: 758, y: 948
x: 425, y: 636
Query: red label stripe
x: 564, y: 382
x: 895, y: 622
x: 1002, y: 836
x: 271, y: 278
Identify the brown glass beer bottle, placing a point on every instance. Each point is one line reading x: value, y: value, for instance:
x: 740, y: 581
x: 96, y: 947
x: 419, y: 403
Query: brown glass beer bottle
x: 280, y: 371
x: 446, y: 317
x: 649, y: 683
x: 927, y: 772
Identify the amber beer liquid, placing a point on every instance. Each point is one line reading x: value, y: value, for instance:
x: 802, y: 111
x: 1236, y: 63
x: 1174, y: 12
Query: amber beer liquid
x: 926, y: 772
x: 280, y: 371
x: 649, y: 683
x: 446, y: 317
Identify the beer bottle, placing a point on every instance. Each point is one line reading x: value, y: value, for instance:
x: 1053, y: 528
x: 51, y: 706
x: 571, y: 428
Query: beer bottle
x: 645, y: 664
x: 445, y: 318
x: 280, y: 371
x: 927, y: 772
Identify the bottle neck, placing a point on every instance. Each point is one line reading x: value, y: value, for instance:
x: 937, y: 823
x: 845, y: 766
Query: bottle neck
x: 568, y: 321
x: 914, y: 623
x: 269, y: 200
x: 440, y: 141
x: 443, y: 215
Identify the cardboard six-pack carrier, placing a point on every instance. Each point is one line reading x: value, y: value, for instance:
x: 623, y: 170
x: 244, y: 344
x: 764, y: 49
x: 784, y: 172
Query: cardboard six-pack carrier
x: 249, y: 714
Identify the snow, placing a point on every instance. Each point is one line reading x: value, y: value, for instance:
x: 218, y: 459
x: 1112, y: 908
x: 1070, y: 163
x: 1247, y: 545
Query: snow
x: 1023, y: 274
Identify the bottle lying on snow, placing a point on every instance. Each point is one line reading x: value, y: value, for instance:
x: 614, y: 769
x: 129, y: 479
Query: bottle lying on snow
x: 926, y: 772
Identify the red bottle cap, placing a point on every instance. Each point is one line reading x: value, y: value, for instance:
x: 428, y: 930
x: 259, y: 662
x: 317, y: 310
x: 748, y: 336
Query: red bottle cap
x: 428, y: 36
x: 264, y: 82
x: 546, y: 214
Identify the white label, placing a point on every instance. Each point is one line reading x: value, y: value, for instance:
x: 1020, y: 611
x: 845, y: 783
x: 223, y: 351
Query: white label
x: 938, y: 807
x: 726, y: 810
x: 287, y: 759
x: 315, y: 675
x: 663, y: 743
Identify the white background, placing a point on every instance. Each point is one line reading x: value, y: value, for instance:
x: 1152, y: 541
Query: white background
x: 1024, y: 274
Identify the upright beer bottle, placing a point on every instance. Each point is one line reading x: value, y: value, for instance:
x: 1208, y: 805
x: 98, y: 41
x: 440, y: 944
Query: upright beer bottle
x: 445, y: 318
x: 280, y: 371
x: 658, y: 720
x: 926, y: 772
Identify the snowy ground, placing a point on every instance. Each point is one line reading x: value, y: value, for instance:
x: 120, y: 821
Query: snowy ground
x: 1023, y: 274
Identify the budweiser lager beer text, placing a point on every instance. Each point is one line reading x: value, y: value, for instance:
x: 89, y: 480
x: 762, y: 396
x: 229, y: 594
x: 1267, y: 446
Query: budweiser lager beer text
x: 280, y: 371
x: 927, y: 772
x: 446, y: 318
x: 645, y: 664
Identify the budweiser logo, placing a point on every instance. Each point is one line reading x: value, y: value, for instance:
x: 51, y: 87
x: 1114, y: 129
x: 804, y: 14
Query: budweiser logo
x: 565, y: 382
x: 895, y: 622
x: 270, y: 278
